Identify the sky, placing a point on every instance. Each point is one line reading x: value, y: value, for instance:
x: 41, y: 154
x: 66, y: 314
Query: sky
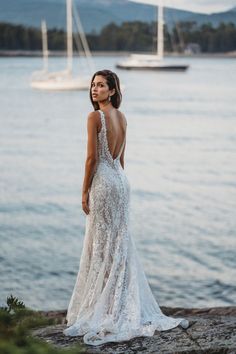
x: 204, y: 6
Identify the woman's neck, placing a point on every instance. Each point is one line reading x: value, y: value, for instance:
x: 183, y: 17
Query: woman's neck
x: 105, y: 104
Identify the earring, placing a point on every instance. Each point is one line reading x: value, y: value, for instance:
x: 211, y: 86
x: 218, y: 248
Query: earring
x: 109, y: 98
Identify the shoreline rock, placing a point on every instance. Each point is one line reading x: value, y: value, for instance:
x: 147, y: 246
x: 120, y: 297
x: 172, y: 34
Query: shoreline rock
x: 211, y: 330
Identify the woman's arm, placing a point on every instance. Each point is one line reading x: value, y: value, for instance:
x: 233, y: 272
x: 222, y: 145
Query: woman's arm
x: 91, y: 159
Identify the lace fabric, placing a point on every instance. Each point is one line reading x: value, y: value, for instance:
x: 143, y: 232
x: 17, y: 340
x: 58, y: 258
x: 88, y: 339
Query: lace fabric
x: 111, y: 300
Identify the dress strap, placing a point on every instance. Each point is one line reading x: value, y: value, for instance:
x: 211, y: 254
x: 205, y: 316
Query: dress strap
x: 102, y: 119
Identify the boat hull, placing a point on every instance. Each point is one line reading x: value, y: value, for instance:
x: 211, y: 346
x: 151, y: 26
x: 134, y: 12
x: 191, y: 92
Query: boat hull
x: 71, y: 85
x: 154, y: 67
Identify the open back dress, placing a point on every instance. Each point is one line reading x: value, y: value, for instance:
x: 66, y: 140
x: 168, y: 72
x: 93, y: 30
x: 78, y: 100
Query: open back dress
x: 112, y: 300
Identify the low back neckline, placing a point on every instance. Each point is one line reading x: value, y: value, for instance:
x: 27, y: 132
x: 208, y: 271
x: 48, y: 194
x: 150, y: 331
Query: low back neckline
x: 106, y: 139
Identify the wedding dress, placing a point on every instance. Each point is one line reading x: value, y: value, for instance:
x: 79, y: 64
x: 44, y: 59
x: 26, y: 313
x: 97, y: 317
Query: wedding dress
x: 111, y: 300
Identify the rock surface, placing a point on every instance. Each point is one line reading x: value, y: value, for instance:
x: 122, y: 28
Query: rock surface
x: 211, y: 330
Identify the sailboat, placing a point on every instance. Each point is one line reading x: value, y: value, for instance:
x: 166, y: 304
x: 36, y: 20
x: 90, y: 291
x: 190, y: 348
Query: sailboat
x: 153, y: 61
x: 63, y: 80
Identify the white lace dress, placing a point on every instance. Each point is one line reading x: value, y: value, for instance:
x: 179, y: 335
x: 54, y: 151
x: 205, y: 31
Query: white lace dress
x: 111, y: 300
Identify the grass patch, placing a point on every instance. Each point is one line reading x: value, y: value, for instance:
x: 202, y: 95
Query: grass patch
x: 16, y: 321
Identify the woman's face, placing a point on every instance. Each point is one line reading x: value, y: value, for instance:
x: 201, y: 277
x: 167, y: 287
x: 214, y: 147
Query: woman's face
x: 100, y: 89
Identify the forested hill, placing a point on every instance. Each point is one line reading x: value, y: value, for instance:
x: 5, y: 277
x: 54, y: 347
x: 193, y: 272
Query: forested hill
x: 129, y: 36
x: 95, y: 14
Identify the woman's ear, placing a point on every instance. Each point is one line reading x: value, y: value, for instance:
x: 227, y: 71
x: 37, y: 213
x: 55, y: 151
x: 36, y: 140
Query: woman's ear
x: 113, y: 92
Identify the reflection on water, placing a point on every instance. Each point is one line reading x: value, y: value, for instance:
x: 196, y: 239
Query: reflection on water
x: 180, y: 161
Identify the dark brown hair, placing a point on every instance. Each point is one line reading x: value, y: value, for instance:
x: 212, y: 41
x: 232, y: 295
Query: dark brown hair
x: 113, y: 82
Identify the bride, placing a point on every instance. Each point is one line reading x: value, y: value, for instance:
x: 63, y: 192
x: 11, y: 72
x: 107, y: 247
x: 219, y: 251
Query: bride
x: 111, y: 300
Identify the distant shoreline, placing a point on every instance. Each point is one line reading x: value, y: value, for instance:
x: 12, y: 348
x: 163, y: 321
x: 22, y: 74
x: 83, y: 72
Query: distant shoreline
x: 36, y: 54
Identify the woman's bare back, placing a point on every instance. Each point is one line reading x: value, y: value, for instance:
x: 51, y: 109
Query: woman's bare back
x: 116, y: 130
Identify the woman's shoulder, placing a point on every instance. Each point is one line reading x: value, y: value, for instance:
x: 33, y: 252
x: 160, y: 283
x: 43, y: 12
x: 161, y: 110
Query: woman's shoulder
x: 93, y: 114
x: 93, y: 120
x: 94, y: 117
x: 123, y: 116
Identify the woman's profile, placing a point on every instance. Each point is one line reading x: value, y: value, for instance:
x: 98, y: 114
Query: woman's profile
x: 111, y: 300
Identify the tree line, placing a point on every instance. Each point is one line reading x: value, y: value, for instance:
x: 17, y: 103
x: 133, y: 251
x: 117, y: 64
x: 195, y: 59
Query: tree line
x: 129, y: 36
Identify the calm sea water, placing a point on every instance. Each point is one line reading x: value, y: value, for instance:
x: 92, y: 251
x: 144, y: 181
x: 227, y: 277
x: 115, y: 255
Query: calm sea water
x: 180, y: 161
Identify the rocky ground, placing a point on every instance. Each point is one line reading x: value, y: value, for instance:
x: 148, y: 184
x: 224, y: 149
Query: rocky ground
x: 211, y: 330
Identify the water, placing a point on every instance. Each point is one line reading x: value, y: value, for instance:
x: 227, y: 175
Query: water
x: 180, y: 161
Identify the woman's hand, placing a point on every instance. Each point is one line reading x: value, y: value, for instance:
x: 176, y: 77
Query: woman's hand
x: 85, y: 200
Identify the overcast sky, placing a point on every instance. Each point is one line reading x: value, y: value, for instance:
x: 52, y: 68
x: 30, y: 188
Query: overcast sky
x: 204, y: 6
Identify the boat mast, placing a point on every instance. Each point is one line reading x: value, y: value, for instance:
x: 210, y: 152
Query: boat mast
x: 160, y: 31
x: 69, y: 36
x: 44, y: 45
x: 83, y: 39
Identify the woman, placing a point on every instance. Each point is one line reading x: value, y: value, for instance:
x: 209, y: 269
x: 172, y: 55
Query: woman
x: 111, y: 300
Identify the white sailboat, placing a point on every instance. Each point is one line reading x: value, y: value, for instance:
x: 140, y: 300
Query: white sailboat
x: 153, y: 61
x: 64, y: 80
